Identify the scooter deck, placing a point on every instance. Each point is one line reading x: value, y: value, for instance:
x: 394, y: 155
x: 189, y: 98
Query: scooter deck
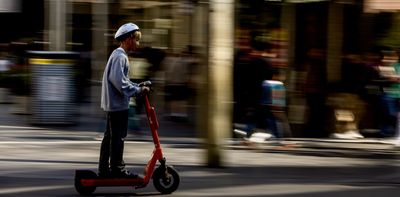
x: 99, y: 181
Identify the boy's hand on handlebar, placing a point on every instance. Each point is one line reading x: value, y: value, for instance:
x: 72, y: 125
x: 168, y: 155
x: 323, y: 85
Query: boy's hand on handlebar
x: 144, y: 90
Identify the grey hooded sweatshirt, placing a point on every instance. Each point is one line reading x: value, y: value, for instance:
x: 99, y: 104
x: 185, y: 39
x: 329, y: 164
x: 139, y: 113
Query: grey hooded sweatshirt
x: 116, y: 87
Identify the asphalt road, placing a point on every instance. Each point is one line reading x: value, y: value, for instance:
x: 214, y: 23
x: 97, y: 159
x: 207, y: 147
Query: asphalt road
x: 40, y: 162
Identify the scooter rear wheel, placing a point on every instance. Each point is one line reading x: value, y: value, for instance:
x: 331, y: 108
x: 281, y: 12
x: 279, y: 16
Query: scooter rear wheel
x: 84, y: 174
x: 166, y: 181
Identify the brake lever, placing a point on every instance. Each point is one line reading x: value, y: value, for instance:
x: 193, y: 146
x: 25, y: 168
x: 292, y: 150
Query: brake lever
x: 145, y: 83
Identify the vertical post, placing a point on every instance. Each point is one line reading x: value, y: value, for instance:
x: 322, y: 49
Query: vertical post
x: 57, y: 11
x: 288, y: 22
x: 99, y: 49
x: 182, y: 27
x: 335, y: 38
x: 220, y: 60
x: 202, y: 86
x: 198, y: 29
x: 99, y: 38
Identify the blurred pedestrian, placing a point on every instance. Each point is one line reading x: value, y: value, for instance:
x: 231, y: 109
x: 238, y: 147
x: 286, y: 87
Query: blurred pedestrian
x: 116, y: 92
x: 315, y: 89
x: 177, y: 68
x: 371, y: 90
x: 138, y: 71
x: 389, y: 71
x: 251, y: 69
x: 273, y: 111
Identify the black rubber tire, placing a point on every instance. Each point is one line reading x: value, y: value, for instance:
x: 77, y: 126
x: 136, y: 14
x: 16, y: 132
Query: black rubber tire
x: 84, y: 174
x: 166, y: 182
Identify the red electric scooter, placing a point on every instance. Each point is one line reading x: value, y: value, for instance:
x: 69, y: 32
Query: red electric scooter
x: 165, y: 178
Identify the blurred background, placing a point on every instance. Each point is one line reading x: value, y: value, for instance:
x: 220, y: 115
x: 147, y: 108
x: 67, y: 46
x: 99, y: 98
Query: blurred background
x: 197, y: 53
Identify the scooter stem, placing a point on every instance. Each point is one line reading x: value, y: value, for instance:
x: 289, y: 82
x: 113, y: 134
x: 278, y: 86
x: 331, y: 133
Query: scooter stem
x: 153, y: 122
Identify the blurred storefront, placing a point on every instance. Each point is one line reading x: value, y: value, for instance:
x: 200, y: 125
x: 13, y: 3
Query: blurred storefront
x: 294, y: 28
x: 293, y: 25
x: 334, y: 28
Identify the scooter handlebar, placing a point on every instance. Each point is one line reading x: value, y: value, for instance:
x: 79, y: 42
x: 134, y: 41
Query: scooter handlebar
x: 145, y: 83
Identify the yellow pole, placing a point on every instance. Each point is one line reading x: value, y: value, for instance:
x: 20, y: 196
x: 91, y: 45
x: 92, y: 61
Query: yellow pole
x: 220, y: 60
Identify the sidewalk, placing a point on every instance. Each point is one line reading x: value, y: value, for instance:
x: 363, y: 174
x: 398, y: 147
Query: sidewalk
x: 303, y: 146
x: 90, y: 118
x: 91, y: 121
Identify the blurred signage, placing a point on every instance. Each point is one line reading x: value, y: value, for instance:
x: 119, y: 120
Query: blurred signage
x: 10, y: 6
x: 381, y: 5
x: 312, y: 1
x: 186, y: 7
x: 304, y: 1
x: 162, y: 23
x: 87, y: 1
x: 134, y: 4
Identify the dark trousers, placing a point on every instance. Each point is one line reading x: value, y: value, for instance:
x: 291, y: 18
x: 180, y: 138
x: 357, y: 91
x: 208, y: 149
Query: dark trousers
x: 317, y: 116
x: 112, y: 146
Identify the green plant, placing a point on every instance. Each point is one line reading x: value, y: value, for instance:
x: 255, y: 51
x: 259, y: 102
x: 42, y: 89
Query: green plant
x: 17, y: 79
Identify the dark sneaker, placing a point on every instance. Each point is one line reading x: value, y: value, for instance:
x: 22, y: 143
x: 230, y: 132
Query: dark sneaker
x: 123, y: 174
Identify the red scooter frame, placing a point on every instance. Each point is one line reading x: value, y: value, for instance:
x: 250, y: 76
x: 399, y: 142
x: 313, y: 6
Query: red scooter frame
x: 165, y: 178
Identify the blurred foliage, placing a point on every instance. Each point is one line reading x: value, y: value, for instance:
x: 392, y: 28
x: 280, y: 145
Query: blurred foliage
x: 17, y: 79
x: 392, y: 37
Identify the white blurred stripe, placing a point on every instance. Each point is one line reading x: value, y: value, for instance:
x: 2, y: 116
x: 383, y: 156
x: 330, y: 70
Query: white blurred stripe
x: 19, y: 127
x: 32, y: 189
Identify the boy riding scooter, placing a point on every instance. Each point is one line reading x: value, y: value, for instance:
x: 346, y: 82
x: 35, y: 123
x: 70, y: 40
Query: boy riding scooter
x: 115, y: 95
x: 116, y: 92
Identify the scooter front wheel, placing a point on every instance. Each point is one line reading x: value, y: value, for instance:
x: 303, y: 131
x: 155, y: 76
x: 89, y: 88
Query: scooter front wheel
x: 166, y: 180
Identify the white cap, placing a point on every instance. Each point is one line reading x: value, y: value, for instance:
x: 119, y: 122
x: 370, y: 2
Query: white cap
x: 124, y: 29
